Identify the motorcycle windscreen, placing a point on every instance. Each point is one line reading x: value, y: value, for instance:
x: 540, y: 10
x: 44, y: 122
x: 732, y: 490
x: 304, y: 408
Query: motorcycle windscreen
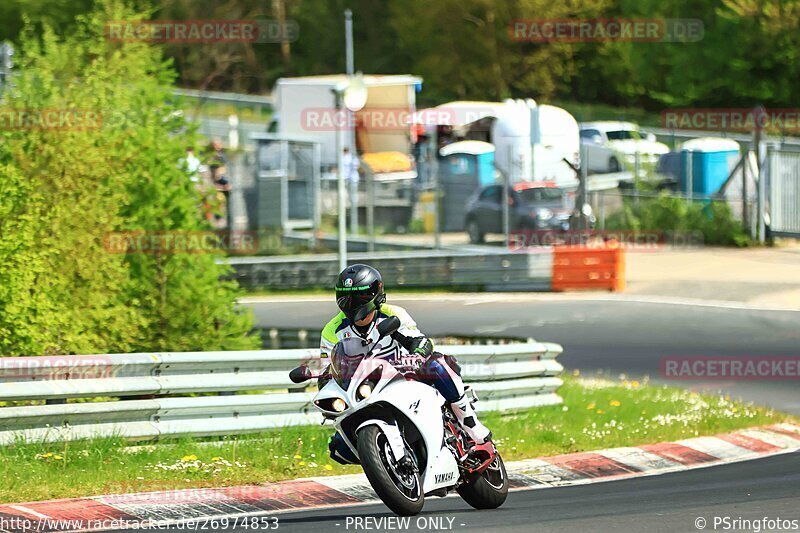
x: 345, y: 358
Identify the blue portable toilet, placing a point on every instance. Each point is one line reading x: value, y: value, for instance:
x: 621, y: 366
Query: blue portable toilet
x: 711, y: 160
x: 470, y: 159
x: 464, y: 166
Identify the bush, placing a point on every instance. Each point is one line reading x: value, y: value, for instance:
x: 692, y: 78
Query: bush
x: 63, y: 191
x: 674, y: 215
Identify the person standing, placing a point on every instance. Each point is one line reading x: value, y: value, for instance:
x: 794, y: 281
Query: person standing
x: 218, y: 167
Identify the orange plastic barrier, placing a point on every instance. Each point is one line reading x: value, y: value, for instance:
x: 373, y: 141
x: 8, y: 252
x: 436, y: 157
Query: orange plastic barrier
x: 589, y: 268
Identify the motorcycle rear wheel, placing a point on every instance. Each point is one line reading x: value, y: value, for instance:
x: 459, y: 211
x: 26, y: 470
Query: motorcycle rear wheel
x: 400, y: 491
x: 489, y: 489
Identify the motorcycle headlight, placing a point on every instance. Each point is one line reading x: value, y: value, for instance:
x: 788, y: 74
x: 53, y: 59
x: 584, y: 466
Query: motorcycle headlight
x: 338, y: 405
x: 366, y: 387
x: 586, y: 210
x: 544, y: 214
x: 364, y: 390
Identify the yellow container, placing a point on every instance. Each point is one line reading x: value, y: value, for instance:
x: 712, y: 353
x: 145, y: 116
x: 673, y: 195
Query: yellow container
x: 428, y: 202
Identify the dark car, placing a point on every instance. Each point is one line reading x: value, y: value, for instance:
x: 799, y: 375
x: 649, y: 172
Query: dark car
x: 532, y: 206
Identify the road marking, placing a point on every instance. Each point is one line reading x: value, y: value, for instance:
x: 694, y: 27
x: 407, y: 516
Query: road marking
x: 715, y: 447
x: 775, y: 439
x: 29, y: 511
x: 638, y: 458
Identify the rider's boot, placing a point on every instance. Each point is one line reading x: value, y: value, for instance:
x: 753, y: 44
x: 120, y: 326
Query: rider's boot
x: 468, y: 420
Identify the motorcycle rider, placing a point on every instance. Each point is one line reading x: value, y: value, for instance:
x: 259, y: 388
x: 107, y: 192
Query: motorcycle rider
x: 362, y: 303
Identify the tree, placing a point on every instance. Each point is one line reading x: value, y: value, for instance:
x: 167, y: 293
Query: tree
x: 64, y: 191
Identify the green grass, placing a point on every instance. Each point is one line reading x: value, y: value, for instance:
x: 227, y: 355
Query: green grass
x: 594, y: 415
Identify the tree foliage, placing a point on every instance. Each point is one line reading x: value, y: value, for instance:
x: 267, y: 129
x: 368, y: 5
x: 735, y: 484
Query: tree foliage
x: 462, y: 48
x: 64, y: 191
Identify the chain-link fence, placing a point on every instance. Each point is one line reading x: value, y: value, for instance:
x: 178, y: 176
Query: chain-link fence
x: 711, y: 220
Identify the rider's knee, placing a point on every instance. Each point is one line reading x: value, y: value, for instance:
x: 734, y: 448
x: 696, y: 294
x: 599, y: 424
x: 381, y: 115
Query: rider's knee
x: 440, y: 373
x: 436, y: 361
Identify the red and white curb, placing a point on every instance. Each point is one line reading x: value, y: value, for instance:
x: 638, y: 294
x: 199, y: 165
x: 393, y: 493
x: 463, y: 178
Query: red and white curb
x: 180, y: 506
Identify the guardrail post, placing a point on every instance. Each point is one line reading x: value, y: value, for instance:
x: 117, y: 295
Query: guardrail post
x: 302, y: 338
x: 274, y: 339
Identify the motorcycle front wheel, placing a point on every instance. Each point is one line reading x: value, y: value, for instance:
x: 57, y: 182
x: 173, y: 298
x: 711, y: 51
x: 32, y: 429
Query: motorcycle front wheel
x: 398, y: 487
x: 489, y: 489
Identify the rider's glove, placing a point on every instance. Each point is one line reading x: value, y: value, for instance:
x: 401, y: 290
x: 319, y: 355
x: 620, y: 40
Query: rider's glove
x: 422, y: 346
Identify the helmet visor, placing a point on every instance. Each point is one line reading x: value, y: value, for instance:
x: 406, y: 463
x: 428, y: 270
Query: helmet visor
x: 356, y: 305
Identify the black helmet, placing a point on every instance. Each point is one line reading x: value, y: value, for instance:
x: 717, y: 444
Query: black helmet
x: 359, y: 291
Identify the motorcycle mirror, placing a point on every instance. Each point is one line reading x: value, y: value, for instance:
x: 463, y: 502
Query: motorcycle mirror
x: 300, y: 374
x: 389, y: 326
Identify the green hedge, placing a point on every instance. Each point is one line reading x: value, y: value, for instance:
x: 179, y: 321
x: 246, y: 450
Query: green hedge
x: 671, y: 214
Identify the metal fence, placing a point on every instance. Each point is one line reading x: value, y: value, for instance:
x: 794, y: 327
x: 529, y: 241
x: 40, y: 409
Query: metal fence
x: 610, y: 204
x: 506, y: 378
x: 674, y: 136
x: 783, y: 182
x: 486, y: 268
x: 287, y: 183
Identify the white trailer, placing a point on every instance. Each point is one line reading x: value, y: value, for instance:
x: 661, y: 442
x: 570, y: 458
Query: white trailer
x: 306, y: 106
x: 531, y: 140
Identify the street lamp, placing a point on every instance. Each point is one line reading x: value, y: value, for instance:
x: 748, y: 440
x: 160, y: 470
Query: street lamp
x: 353, y: 94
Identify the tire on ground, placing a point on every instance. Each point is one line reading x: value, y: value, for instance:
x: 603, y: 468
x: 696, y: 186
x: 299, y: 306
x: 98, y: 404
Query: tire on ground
x: 379, y: 477
x: 480, y: 494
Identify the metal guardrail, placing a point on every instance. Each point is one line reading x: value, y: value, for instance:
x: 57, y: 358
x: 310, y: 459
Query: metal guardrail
x: 229, y: 98
x: 483, y: 266
x: 284, y: 338
x: 506, y: 377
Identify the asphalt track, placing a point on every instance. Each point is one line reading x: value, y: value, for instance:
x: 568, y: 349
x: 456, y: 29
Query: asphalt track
x: 598, y: 333
x: 614, y: 336
x: 676, y: 502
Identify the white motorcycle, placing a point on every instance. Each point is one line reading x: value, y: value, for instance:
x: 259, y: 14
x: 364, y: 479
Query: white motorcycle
x: 404, y: 434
